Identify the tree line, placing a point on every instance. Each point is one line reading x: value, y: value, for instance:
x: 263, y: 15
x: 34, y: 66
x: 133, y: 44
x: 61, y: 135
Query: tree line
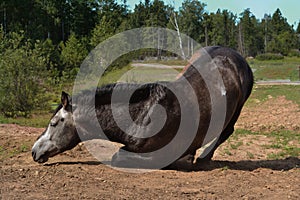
x: 43, y: 42
x: 92, y: 21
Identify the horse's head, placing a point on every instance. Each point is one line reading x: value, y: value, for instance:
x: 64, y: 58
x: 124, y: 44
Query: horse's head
x: 60, y: 135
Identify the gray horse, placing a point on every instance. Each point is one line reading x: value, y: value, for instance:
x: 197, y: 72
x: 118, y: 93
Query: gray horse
x: 62, y: 132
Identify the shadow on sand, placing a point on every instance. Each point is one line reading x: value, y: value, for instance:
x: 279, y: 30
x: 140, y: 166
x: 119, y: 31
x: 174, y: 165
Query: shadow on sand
x: 74, y: 163
x: 243, y: 165
x: 248, y: 165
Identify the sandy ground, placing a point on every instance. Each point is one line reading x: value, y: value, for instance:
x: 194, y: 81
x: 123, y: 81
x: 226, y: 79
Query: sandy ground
x: 241, y: 168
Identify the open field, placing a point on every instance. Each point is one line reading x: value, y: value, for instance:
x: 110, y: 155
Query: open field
x: 288, y: 68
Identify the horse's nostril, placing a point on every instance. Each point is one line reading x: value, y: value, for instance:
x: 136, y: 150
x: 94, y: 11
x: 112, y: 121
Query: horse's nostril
x: 33, y: 154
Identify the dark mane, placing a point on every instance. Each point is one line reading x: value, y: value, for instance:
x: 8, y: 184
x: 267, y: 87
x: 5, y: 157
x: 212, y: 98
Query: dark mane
x: 139, y: 92
x: 56, y: 110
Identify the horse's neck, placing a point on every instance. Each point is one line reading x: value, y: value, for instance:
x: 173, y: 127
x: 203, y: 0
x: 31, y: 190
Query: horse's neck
x: 138, y: 110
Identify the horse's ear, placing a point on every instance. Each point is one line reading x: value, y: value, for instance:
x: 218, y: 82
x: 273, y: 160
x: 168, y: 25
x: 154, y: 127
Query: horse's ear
x: 65, y: 99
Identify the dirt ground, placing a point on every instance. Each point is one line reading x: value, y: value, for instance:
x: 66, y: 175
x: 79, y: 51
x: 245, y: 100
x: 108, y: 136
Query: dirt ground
x: 241, y: 168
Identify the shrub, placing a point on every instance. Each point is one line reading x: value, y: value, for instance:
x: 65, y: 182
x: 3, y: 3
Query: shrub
x: 294, y: 53
x: 72, y: 55
x: 269, y: 56
x: 22, y: 75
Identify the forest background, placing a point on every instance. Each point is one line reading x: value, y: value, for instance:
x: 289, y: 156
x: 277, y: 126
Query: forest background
x: 43, y: 43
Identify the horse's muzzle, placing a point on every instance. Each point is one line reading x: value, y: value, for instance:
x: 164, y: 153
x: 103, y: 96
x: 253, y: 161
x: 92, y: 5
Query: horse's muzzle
x: 39, y: 159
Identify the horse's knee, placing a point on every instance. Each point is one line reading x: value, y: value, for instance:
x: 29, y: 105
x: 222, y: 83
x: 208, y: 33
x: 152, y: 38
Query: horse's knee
x: 126, y: 159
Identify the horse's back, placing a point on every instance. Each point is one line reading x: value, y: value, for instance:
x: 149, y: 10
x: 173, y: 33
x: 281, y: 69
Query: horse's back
x: 237, y: 63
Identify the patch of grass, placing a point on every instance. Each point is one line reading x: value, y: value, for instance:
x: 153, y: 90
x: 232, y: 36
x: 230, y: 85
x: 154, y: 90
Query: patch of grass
x: 276, y: 156
x: 261, y: 93
x: 139, y: 75
x: 225, y: 168
x: 8, y: 153
x: 36, y: 120
x: 236, y: 145
x: 276, y: 69
x: 227, y: 152
x: 286, y: 151
x: 245, y: 132
x: 24, y: 148
x: 113, y: 76
x: 282, y: 136
x: 1, y: 150
x: 272, y: 146
x: 178, y: 62
x: 249, y: 143
x: 281, y: 141
x: 250, y: 155
x: 147, y: 74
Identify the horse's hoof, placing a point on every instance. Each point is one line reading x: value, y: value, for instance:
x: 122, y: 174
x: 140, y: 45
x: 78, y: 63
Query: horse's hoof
x: 204, y: 160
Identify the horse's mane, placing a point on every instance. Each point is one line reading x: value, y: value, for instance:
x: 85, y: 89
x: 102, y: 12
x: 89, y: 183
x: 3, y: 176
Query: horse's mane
x: 139, y: 92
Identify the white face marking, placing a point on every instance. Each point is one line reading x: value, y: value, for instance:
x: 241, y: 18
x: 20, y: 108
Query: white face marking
x: 43, y: 142
x: 63, y: 113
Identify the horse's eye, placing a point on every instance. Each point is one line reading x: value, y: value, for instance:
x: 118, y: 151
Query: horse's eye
x: 62, y: 119
x: 53, y: 123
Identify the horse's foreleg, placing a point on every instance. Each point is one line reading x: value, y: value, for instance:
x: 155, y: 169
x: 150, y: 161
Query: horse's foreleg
x: 127, y: 159
x: 183, y: 163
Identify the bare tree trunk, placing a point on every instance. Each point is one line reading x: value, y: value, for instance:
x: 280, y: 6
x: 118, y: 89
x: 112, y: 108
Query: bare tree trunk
x: 179, y: 36
x: 175, y: 24
x: 158, y: 45
x: 206, y: 36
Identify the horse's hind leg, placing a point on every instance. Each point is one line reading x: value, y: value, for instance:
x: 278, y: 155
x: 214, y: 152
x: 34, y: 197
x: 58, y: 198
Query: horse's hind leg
x: 223, y: 137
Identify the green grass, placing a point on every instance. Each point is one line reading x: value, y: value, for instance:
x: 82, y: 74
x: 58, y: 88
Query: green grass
x: 250, y: 155
x: 178, y: 62
x: 7, y: 153
x: 146, y: 75
x: 276, y: 69
x: 262, y: 92
x: 287, y: 151
x: 38, y: 120
x: 227, y: 152
x: 236, y: 145
x: 113, y: 76
x: 139, y: 75
x: 281, y: 140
